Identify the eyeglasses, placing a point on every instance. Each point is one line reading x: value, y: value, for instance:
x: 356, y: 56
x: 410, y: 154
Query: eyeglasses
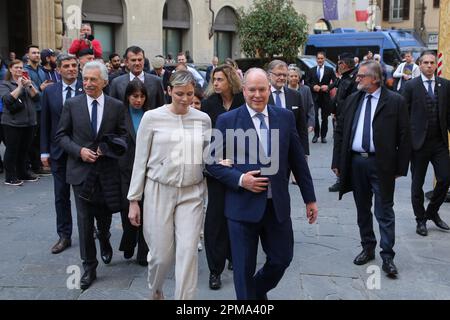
x: 362, y: 75
x: 280, y: 75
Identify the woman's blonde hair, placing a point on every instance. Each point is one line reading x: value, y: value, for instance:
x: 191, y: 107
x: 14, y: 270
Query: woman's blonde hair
x: 232, y: 77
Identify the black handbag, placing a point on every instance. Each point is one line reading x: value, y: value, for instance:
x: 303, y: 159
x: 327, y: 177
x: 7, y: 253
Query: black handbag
x: 15, y: 107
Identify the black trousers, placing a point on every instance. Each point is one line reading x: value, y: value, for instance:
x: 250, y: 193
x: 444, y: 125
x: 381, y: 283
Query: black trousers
x: 62, y: 198
x: 17, y: 142
x: 86, y: 212
x: 132, y: 235
x: 1, y: 139
x: 365, y: 185
x: 217, y: 241
x: 34, y: 152
x: 436, y: 152
x: 321, y: 129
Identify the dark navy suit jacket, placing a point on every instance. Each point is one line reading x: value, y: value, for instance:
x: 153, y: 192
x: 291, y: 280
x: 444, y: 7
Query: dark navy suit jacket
x: 52, y: 105
x: 243, y: 205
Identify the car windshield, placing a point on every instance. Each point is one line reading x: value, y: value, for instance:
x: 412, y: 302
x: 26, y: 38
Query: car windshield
x: 310, y: 61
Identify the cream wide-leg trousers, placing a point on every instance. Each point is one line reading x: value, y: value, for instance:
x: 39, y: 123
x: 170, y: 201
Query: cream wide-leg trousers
x: 172, y: 223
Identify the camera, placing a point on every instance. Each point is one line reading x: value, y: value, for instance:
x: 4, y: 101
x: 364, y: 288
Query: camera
x: 89, y: 37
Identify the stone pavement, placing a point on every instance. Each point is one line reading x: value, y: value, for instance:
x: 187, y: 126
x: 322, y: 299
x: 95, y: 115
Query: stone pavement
x: 322, y: 267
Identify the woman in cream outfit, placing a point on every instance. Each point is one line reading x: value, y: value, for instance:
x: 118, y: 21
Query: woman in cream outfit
x: 168, y: 174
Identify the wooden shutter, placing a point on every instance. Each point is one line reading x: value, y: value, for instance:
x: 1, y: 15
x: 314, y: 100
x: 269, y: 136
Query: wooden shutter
x: 405, y: 9
x: 386, y: 7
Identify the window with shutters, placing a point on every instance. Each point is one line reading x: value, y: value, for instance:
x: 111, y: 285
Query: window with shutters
x: 398, y: 10
x: 435, y: 3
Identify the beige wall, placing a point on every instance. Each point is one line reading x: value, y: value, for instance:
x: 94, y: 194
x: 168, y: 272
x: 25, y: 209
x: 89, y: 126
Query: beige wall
x: 47, y: 16
x: 143, y: 24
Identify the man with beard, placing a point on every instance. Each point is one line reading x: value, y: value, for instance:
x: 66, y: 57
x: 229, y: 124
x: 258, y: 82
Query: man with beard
x: 372, y: 146
x: 48, y: 63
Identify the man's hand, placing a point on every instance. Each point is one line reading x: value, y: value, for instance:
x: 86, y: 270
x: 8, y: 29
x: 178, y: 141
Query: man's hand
x: 134, y: 214
x: 45, y: 162
x: 316, y: 88
x: 310, y: 129
x: 336, y: 172
x: 226, y: 163
x: 45, y: 84
x: 99, y: 152
x: 255, y: 184
x: 324, y: 88
x: 311, y: 212
x: 87, y: 155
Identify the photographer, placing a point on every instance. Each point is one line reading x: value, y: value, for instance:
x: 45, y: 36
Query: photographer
x: 86, y: 41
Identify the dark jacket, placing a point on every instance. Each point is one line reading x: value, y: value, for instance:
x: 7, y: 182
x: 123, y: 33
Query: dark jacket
x: 104, y: 174
x: 391, y: 138
x: 414, y: 93
x: 322, y: 98
x: 213, y: 105
x: 74, y: 132
x: 346, y: 85
x: 24, y: 118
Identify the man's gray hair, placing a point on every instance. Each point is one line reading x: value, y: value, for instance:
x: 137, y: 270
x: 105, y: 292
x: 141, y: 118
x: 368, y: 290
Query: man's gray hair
x: 252, y: 70
x: 97, y: 65
x: 275, y: 64
x: 374, y: 68
x: 65, y: 57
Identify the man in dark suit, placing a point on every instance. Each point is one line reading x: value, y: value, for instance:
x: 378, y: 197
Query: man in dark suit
x: 52, y: 155
x: 210, y: 69
x: 134, y: 59
x: 283, y: 97
x: 85, y: 121
x: 257, y: 203
x: 319, y: 79
x: 428, y: 101
x: 372, y: 146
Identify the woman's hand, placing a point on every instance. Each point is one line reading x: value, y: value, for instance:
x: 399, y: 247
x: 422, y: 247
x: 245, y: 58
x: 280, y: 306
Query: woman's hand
x: 134, y: 213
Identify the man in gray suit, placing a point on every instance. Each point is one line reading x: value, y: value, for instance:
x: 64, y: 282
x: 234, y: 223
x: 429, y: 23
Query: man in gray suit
x: 134, y: 59
x: 85, y: 122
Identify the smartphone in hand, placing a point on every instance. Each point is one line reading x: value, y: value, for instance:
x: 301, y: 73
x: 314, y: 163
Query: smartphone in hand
x: 25, y: 75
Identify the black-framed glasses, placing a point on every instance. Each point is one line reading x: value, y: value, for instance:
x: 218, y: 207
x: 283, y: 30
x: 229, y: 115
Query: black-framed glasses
x: 279, y: 75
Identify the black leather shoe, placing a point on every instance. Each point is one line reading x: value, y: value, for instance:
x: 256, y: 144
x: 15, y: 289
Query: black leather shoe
x: 128, y: 254
x: 422, y: 228
x: 439, y: 223
x: 214, y: 281
x: 61, y: 245
x: 87, y: 279
x: 389, y: 267
x: 314, y: 139
x: 335, y: 187
x: 230, y: 265
x: 142, y: 262
x: 106, y: 250
x: 324, y: 140
x: 364, y: 257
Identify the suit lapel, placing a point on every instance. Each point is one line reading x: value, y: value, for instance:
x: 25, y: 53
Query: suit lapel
x: 441, y: 95
x: 356, y: 112
x: 129, y: 124
x: 79, y: 88
x: 58, y: 96
x: 104, y: 117
x: 381, y: 103
x: 85, y: 118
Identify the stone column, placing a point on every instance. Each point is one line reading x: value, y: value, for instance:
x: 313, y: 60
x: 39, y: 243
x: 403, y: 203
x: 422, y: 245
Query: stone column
x: 444, y: 41
x: 58, y: 24
x: 43, y: 23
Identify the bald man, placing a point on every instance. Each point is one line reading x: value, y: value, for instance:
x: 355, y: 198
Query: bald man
x: 257, y: 203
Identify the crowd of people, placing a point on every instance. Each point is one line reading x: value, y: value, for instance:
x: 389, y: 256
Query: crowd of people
x: 131, y: 139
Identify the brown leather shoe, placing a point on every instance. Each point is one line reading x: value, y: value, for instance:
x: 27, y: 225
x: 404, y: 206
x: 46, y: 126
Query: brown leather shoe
x: 61, y: 245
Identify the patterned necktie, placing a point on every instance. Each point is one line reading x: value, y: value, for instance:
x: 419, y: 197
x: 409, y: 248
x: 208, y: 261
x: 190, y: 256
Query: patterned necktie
x: 278, y: 99
x: 367, y: 123
x: 263, y: 132
x: 94, y: 117
x: 69, y: 93
x: 430, y: 88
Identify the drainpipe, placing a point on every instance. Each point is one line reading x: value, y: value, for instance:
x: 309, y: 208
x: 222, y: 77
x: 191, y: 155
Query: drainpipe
x: 211, y: 30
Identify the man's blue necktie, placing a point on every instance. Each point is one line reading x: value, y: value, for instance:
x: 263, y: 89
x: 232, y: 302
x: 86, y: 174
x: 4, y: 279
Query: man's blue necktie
x: 318, y: 73
x: 94, y: 117
x: 430, y: 88
x: 263, y: 132
x: 69, y: 92
x: 367, y: 124
x: 278, y: 99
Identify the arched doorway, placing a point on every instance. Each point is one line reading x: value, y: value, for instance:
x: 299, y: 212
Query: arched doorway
x: 176, y: 25
x: 225, y: 37
x: 15, y: 23
x: 105, y: 17
x: 322, y: 26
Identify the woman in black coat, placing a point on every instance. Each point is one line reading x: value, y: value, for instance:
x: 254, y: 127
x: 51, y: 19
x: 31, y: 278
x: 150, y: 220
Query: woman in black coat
x: 134, y: 109
x: 224, y: 93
